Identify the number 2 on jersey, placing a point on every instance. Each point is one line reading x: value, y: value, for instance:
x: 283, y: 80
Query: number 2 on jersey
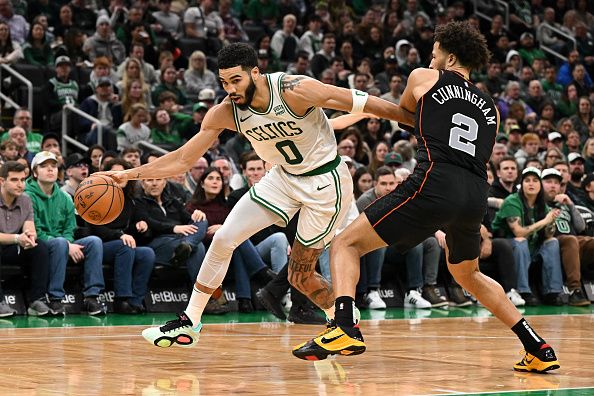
x: 469, y: 133
x: 288, y: 149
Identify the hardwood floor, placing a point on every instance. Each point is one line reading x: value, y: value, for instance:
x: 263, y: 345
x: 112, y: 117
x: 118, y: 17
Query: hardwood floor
x: 404, y: 357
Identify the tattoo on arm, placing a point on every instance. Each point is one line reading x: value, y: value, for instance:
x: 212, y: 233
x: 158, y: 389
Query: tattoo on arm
x: 302, y: 275
x: 287, y: 84
x: 138, y: 175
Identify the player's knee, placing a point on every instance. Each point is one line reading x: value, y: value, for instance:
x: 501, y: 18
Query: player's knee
x: 222, y: 241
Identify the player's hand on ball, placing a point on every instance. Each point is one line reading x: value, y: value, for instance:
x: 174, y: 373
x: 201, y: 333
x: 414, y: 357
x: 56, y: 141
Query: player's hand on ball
x: 119, y: 177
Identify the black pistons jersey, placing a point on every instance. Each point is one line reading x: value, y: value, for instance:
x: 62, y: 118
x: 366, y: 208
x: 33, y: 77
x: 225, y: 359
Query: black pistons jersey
x: 456, y: 123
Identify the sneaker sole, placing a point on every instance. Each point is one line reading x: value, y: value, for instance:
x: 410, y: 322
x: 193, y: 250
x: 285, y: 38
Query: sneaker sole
x: 7, y: 315
x: 323, y: 354
x: 32, y: 312
x: 537, y: 370
x: 180, y: 340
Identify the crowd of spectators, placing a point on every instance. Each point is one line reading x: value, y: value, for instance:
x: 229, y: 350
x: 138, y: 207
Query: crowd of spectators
x: 146, y: 70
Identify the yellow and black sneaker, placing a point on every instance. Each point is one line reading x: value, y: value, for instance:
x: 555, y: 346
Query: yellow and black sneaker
x: 544, y: 360
x: 333, y: 341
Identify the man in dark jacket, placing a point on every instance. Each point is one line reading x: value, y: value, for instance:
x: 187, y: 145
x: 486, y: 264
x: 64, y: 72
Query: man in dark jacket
x: 174, y: 234
x: 507, y: 176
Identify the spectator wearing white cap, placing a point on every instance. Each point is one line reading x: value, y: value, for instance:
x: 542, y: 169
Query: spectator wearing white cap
x: 576, y: 172
x: 569, y: 224
x: 55, y: 222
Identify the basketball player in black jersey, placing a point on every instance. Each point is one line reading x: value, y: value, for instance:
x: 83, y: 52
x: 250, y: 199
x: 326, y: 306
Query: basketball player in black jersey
x: 455, y: 125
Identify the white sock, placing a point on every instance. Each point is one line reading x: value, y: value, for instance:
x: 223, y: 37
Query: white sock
x: 196, y: 305
x: 330, y: 312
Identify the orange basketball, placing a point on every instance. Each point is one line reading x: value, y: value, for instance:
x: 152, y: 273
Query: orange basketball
x: 99, y: 200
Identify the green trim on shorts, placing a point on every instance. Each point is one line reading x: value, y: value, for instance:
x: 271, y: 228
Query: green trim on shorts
x: 269, y: 206
x: 320, y: 170
x: 337, y: 207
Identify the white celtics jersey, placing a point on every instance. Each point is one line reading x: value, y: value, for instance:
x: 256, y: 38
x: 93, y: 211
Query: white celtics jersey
x: 298, y: 144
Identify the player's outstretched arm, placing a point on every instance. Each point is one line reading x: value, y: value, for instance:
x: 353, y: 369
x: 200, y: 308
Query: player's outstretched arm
x: 346, y: 120
x: 302, y: 92
x: 179, y: 161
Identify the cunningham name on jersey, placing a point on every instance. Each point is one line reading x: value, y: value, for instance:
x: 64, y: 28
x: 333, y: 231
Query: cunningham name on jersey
x: 448, y: 92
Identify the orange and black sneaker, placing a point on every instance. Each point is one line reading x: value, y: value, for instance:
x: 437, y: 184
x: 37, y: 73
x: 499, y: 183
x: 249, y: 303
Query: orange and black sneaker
x: 544, y: 360
x: 333, y: 341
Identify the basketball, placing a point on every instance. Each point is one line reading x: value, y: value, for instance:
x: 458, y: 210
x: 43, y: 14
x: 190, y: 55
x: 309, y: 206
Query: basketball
x: 98, y: 200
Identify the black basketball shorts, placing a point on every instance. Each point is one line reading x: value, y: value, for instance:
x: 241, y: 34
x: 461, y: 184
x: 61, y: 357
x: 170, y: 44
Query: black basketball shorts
x: 437, y: 196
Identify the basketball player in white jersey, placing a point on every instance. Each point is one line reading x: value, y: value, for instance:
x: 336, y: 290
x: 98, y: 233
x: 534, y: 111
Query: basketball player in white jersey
x: 282, y: 118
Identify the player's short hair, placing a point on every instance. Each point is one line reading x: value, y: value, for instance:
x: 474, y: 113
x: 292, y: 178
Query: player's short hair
x: 11, y: 166
x: 465, y: 42
x: 237, y: 54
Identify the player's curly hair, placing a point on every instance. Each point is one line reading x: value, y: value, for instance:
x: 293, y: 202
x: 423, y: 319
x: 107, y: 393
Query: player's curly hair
x: 237, y: 54
x: 466, y: 42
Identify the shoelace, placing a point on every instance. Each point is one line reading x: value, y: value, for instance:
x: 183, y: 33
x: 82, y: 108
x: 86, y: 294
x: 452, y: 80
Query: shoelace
x: 173, y: 325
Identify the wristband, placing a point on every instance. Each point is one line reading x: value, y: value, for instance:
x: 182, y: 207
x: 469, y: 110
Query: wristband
x: 359, y: 100
x: 16, y: 238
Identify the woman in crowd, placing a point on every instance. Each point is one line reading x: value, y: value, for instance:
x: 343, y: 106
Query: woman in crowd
x: 135, y: 129
x: 568, y: 104
x: 162, y: 131
x: 362, y: 181
x: 198, y: 77
x: 133, y: 72
x: 362, y: 150
x: 37, y: 50
x: 169, y: 83
x: 209, y: 198
x: 132, y: 264
x: 588, y: 154
x: 552, y: 155
x: 10, y: 51
x: 95, y: 154
x: 377, y: 157
x: 134, y: 92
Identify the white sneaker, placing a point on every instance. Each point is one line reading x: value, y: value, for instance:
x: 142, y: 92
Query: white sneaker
x: 374, y: 301
x: 515, y: 298
x: 413, y: 299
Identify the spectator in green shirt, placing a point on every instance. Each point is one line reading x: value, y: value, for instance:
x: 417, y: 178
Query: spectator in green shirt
x: 525, y: 218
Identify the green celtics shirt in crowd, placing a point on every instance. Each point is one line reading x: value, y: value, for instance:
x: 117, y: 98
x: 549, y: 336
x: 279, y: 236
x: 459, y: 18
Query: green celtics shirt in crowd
x: 67, y: 92
x: 563, y: 221
x: 512, y: 207
x: 33, y: 141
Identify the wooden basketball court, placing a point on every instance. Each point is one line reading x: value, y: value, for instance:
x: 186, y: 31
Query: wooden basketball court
x: 404, y: 357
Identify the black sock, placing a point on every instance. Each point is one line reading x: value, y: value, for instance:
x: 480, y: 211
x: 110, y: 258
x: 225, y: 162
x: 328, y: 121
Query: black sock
x: 531, y: 341
x: 343, y: 313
